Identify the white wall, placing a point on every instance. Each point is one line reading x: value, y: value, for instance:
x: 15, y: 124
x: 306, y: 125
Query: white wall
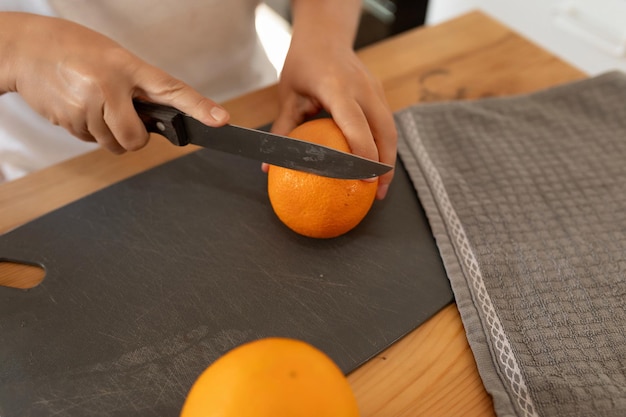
x: 589, y: 34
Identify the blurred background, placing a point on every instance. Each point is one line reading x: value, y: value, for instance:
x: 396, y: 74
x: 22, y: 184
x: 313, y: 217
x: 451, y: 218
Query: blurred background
x: 379, y: 20
x: 590, y: 35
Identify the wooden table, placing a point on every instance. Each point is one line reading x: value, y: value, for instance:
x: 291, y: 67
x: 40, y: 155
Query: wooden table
x: 430, y: 372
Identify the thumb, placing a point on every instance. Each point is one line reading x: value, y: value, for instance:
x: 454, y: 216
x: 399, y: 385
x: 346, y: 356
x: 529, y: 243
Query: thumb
x: 286, y: 122
x: 162, y: 88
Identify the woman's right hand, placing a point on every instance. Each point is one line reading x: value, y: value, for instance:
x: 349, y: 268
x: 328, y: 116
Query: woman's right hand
x: 85, y: 82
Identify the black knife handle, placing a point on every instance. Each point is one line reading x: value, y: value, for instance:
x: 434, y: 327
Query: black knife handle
x: 164, y: 120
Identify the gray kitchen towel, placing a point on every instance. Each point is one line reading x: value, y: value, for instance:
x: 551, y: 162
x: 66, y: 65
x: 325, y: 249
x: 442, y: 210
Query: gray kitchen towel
x: 526, y: 196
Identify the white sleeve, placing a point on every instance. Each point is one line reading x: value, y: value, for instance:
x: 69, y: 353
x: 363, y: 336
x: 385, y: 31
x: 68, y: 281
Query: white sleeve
x: 30, y: 6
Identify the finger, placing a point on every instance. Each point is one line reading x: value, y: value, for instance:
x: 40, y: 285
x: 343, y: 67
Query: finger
x: 75, y: 124
x: 160, y: 87
x: 99, y: 130
x: 293, y: 112
x: 382, y: 125
x: 286, y: 121
x: 124, y: 124
x: 380, y: 130
x: 352, y: 121
x: 81, y: 133
x: 373, y: 103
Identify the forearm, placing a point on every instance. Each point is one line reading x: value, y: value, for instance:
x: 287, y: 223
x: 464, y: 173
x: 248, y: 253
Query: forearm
x: 326, y: 21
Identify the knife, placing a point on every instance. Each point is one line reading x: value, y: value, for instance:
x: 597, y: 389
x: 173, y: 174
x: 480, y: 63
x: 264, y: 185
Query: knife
x: 181, y: 129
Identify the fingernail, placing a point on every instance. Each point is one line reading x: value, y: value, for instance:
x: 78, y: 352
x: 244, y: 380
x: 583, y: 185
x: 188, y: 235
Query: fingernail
x: 219, y: 114
x: 381, y: 193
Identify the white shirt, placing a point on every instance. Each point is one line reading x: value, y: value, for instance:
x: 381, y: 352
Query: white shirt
x: 210, y: 44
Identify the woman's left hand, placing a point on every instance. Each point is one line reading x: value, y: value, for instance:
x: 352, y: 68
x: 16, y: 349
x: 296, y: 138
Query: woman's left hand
x: 320, y: 74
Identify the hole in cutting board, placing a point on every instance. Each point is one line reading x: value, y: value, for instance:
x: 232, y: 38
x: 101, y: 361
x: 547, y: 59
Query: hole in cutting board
x: 20, y: 275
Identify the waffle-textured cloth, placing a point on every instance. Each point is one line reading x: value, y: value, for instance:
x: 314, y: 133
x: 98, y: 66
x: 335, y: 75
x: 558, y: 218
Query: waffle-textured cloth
x: 526, y: 196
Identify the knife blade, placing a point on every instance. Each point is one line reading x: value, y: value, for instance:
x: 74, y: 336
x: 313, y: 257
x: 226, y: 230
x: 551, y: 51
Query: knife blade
x: 181, y: 130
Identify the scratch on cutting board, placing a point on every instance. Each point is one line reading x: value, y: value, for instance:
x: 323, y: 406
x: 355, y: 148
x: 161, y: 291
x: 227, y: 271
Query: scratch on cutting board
x: 110, y: 336
x: 141, y: 379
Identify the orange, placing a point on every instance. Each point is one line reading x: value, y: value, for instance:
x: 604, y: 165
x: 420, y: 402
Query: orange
x: 271, y: 377
x: 317, y: 206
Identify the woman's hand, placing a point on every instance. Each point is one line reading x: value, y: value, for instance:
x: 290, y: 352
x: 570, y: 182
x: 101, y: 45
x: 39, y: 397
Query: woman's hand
x: 322, y: 71
x: 85, y: 82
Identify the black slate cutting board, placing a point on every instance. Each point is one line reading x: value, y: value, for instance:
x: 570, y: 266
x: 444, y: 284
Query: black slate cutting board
x: 150, y: 280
